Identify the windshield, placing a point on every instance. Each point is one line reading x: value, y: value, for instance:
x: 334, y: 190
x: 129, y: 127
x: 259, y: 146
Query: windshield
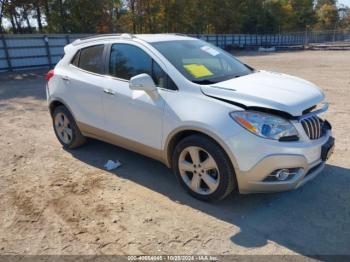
x: 201, y: 62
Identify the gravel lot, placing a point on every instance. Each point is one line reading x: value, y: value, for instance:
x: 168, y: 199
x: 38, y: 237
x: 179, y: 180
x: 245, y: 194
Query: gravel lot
x: 54, y: 201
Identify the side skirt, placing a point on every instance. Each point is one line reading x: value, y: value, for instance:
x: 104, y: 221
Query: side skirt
x: 99, y: 134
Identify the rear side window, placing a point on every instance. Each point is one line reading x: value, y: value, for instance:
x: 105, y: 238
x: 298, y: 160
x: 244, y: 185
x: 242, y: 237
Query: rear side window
x: 91, y: 59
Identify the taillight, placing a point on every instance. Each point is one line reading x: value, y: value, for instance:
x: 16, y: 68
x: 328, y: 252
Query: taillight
x: 49, y: 74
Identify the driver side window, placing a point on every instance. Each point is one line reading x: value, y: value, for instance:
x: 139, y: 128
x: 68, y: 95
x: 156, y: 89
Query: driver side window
x: 127, y: 61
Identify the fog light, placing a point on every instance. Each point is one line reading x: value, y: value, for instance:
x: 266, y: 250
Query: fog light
x: 282, y: 174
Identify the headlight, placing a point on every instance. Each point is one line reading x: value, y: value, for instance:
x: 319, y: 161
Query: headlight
x: 265, y: 125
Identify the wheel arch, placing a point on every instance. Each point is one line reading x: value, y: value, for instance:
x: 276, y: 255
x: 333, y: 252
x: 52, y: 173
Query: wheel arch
x: 177, y: 135
x: 55, y: 102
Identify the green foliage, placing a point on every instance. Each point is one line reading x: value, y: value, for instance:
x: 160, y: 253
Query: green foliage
x: 183, y: 16
x: 327, y: 14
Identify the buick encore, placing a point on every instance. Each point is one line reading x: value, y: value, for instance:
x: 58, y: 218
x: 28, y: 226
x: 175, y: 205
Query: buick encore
x: 217, y: 122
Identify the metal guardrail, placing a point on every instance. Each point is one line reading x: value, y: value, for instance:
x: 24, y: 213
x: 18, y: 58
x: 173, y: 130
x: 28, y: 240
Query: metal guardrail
x: 32, y: 51
x: 40, y: 50
x: 249, y: 40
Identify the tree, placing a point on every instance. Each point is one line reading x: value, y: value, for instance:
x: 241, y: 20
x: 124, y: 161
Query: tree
x: 37, y: 4
x: 304, y: 13
x: 26, y: 9
x: 11, y: 11
x: 327, y: 16
x: 344, y: 17
x: 2, y: 5
x: 182, y: 16
x: 320, y: 3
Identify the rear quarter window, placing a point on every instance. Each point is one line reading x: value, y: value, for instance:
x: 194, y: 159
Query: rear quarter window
x: 75, y: 60
x: 91, y: 59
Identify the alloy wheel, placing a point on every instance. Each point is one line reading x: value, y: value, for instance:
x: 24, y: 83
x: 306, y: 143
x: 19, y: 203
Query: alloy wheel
x: 199, y: 170
x: 63, y: 128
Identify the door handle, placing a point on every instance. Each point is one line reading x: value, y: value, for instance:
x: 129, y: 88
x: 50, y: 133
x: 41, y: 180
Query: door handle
x: 109, y: 92
x: 65, y: 78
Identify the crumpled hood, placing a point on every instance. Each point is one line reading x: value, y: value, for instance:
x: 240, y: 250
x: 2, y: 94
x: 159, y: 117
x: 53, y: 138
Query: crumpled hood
x: 268, y: 90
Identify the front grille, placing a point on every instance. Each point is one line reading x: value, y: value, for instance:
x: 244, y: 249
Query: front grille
x: 313, y: 127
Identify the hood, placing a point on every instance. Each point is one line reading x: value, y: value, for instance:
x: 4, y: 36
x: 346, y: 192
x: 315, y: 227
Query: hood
x: 268, y: 90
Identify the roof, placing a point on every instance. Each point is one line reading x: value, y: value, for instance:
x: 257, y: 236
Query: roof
x: 144, y: 37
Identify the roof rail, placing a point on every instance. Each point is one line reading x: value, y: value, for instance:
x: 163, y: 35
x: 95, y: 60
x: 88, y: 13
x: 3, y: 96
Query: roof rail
x: 180, y: 34
x: 102, y: 36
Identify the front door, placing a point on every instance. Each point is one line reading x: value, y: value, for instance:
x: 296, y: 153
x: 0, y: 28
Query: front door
x: 134, y: 115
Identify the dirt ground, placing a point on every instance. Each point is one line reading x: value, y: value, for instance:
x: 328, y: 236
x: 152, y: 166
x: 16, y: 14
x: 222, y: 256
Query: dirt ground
x: 54, y: 201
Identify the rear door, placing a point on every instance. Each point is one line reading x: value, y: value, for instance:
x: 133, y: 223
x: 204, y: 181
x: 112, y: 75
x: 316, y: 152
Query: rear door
x: 83, y: 83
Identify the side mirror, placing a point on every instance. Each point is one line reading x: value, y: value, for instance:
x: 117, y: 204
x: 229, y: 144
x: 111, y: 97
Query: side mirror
x: 142, y: 82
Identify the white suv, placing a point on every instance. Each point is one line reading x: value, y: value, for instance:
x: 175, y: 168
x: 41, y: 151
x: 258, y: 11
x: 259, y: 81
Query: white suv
x: 218, y: 123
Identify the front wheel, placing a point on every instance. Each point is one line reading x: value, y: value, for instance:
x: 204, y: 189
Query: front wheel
x: 203, y: 168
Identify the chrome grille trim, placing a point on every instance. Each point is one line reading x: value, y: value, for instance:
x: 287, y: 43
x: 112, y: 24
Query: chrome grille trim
x: 313, y: 127
x: 319, y: 128
x: 306, y: 128
x: 312, y: 134
x: 313, y: 120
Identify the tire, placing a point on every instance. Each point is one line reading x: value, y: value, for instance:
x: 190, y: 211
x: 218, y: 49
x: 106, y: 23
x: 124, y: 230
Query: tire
x: 66, y: 129
x: 222, y: 178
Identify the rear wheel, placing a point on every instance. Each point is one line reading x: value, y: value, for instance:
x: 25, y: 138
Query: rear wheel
x: 203, y: 168
x: 66, y: 129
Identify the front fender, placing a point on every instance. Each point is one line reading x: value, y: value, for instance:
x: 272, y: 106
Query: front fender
x: 194, y: 128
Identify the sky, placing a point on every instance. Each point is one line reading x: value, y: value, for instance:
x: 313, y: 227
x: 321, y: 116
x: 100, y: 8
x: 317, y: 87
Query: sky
x: 344, y: 2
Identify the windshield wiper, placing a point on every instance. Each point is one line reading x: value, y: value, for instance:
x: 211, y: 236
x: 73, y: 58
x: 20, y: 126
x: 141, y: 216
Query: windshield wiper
x: 217, y: 79
x: 204, y: 82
